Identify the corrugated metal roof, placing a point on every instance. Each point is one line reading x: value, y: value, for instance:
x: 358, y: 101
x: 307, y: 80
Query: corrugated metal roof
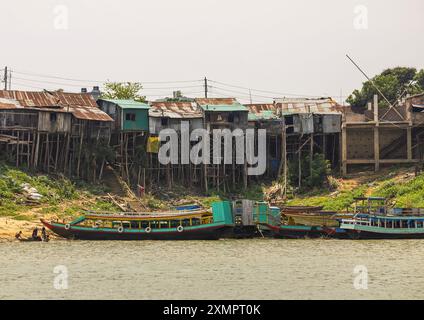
x: 128, y: 104
x: 304, y: 105
x: 220, y: 104
x: 9, y: 104
x: 264, y: 111
x: 175, y: 110
x: 81, y: 105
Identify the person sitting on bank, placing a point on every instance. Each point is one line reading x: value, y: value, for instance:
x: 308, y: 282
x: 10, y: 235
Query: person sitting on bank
x: 35, y: 233
x: 18, y: 235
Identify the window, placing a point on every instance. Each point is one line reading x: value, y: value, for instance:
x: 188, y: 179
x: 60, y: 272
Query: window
x: 130, y: 116
x: 135, y: 225
x: 273, y: 147
x: 164, y: 121
x: 53, y: 117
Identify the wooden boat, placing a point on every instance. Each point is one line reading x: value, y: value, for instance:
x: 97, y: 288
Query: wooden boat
x: 301, y: 209
x: 370, y: 226
x: 295, y: 231
x: 176, y: 225
x: 321, y: 218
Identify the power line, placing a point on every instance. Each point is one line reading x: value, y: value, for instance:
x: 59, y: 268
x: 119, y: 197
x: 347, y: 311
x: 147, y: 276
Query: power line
x: 28, y: 86
x: 83, y: 85
x: 243, y: 93
x: 50, y: 82
x: 219, y: 94
x: 99, y: 81
x: 55, y: 77
x: 265, y: 91
x: 203, y: 83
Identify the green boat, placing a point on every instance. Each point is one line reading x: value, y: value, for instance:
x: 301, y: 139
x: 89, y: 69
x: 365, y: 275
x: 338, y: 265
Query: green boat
x: 177, y: 225
x: 368, y: 226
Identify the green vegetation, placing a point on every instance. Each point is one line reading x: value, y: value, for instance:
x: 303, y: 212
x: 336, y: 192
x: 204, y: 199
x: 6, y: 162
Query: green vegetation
x: 55, y: 192
x: 392, y: 83
x: 66, y: 199
x: 123, y: 91
x: 12, y: 197
x: 338, y: 201
x: 407, y: 194
x: 317, y: 178
x: 399, y: 187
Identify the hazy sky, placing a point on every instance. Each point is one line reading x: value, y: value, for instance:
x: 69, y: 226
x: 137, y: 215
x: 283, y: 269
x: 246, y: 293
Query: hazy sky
x: 292, y: 47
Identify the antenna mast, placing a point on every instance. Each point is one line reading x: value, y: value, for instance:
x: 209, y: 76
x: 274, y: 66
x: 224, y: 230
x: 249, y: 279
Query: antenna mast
x: 370, y: 80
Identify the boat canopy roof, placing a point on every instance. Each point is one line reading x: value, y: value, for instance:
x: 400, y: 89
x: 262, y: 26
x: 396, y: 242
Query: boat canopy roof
x: 174, y: 215
x: 388, y: 217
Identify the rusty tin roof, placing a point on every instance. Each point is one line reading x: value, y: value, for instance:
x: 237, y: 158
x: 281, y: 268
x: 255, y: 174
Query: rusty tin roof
x: 261, y: 111
x: 305, y: 105
x: 177, y: 110
x: 220, y: 104
x: 81, y: 105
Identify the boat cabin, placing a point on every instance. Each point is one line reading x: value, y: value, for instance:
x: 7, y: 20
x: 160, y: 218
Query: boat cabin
x: 370, y: 205
x: 387, y: 222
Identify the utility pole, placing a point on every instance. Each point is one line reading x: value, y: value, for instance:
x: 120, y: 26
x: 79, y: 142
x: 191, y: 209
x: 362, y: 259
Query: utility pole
x: 206, y: 87
x: 5, y: 78
x: 10, y: 79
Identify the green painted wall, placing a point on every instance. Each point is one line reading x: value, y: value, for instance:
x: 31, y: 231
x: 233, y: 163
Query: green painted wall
x: 222, y: 212
x: 141, y: 120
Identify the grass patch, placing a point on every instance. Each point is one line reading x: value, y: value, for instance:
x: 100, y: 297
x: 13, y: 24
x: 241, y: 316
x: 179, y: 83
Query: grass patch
x: 407, y: 194
x: 101, y: 205
x: 336, y: 202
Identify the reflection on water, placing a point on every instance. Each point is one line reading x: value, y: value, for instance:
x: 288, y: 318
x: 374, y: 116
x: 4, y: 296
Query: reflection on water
x: 224, y: 269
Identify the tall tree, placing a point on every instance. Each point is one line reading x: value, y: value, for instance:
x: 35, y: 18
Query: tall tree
x: 392, y: 83
x: 123, y: 90
x: 419, y: 78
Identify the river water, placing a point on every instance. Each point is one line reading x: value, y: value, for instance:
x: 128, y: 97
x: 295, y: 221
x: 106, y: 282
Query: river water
x: 224, y: 269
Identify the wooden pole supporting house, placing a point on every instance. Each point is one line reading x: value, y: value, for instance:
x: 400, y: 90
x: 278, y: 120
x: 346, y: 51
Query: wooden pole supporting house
x: 57, y: 151
x: 284, y: 151
x: 29, y: 150
x: 324, y: 145
x: 311, y: 154
x: 333, y: 157
x: 409, y: 142
x: 127, y: 172
x: 17, y: 149
x: 104, y: 161
x: 37, y: 147
x: 343, y: 144
x: 79, y: 153
x: 283, y: 163
x: 376, y: 136
x: 68, y: 142
x: 144, y: 179
x: 409, y: 135
x: 299, y: 184
x: 233, y: 171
